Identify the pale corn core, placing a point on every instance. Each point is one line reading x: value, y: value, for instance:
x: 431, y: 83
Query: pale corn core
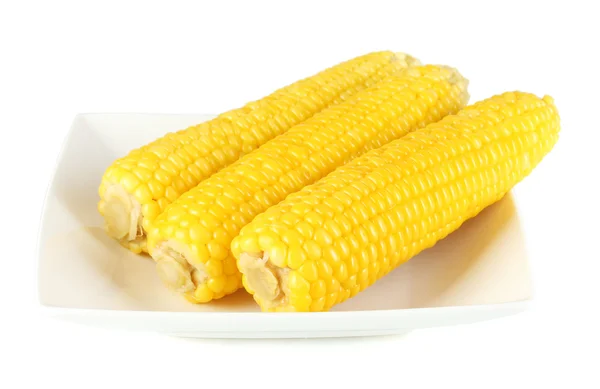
x: 122, y: 215
x: 267, y: 282
x: 175, y: 271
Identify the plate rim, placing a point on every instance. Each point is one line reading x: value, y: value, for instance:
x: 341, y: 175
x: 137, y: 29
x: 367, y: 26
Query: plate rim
x: 523, y: 303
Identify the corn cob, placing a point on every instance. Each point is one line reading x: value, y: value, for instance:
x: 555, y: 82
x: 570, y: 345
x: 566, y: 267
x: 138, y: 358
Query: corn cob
x: 138, y: 187
x: 331, y: 240
x: 190, y: 240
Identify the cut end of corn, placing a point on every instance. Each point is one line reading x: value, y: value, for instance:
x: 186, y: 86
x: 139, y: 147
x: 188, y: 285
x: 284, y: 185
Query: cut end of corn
x: 123, y: 217
x: 267, y: 282
x: 175, y: 271
x: 199, y: 280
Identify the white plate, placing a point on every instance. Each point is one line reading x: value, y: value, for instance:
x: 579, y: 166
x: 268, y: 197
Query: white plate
x: 480, y: 272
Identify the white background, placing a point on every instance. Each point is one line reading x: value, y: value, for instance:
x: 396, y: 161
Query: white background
x: 59, y: 58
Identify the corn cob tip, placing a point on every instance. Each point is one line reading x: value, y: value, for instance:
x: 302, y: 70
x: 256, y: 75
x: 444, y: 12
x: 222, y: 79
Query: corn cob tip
x: 548, y: 99
x: 406, y: 60
x: 456, y: 77
x: 123, y: 216
x: 267, y: 282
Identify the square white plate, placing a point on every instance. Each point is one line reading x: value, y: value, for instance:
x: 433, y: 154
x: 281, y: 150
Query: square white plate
x: 480, y: 272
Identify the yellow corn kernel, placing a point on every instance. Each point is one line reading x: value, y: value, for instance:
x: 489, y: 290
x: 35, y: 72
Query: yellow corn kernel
x: 232, y: 283
x: 158, y: 173
x: 217, y: 284
x: 203, y: 294
x: 409, y: 194
x: 330, y: 138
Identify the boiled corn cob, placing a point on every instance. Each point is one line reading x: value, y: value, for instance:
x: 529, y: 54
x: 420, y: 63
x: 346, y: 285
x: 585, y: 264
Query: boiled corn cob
x: 331, y: 240
x: 190, y: 240
x: 137, y: 188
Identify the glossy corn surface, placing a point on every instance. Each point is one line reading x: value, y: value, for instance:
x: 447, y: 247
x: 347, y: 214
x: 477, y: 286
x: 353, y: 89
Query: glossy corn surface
x: 331, y: 240
x: 138, y: 187
x: 190, y: 241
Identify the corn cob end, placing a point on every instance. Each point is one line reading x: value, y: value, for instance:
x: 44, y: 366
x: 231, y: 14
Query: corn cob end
x: 174, y: 270
x: 185, y: 273
x: 267, y: 283
x: 123, y: 217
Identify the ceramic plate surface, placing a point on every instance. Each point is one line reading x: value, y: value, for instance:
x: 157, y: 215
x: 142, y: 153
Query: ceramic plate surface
x: 479, y: 272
